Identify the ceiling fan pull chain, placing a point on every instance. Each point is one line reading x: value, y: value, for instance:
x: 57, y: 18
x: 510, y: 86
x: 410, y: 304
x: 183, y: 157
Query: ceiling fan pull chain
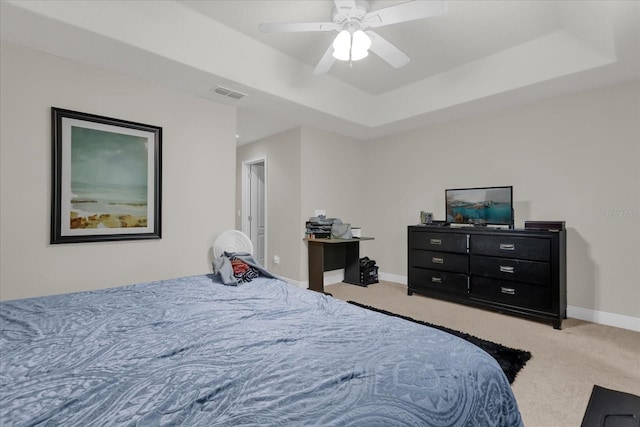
x: 351, y: 50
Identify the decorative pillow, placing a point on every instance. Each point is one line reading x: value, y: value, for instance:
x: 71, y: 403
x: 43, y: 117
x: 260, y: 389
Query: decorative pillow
x: 243, y: 271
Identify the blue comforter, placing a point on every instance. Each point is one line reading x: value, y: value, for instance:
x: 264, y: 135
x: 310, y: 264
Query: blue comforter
x: 193, y: 352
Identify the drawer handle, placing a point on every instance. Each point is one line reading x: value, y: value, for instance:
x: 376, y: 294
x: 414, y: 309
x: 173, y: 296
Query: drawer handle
x: 437, y: 260
x: 436, y: 279
x: 508, y: 291
x: 435, y: 241
x: 507, y: 247
x: 507, y: 269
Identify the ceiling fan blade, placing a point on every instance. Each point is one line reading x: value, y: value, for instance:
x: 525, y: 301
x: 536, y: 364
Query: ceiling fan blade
x: 404, y: 12
x: 326, y: 62
x: 387, y: 51
x: 296, y: 27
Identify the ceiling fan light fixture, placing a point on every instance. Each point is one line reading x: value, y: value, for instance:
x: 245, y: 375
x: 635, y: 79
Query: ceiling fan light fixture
x: 342, y: 46
x: 360, y: 44
x: 357, y: 56
x: 351, y: 47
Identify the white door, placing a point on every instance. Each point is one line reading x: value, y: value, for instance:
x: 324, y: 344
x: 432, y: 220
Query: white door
x: 257, y: 210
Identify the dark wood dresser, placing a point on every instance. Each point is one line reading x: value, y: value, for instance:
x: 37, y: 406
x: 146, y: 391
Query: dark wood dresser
x: 520, y: 272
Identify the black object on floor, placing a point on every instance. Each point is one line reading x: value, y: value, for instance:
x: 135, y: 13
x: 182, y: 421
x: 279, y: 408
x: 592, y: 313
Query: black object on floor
x: 612, y: 408
x: 511, y: 360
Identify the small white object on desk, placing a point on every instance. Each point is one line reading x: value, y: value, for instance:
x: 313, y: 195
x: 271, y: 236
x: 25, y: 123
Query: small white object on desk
x: 356, y: 232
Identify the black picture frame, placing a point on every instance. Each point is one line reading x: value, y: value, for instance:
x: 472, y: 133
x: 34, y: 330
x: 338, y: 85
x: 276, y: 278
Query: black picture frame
x: 106, y: 178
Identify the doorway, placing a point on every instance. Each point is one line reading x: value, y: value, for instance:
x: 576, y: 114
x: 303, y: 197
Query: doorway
x: 254, y: 203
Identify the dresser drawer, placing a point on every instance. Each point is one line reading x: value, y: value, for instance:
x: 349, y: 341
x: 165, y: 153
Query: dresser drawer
x: 438, y: 280
x: 507, y: 292
x: 442, y: 242
x: 511, y: 269
x: 441, y: 261
x: 531, y: 248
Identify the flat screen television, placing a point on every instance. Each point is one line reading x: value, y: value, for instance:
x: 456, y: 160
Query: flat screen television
x: 480, y: 206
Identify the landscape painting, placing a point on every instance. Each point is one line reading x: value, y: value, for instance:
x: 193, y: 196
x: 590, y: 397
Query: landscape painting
x: 106, y: 179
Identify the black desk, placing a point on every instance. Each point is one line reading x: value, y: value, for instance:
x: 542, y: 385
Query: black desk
x: 332, y: 254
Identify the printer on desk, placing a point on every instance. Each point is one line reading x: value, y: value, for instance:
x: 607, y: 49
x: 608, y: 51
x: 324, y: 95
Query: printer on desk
x: 320, y: 227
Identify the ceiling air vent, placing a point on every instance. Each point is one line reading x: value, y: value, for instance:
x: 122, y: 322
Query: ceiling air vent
x: 229, y: 93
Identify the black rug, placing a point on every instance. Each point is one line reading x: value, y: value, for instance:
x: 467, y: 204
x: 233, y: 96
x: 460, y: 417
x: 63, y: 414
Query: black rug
x: 511, y: 360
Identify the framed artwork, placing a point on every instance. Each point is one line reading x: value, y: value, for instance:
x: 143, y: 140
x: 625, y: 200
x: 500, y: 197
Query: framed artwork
x: 106, y: 179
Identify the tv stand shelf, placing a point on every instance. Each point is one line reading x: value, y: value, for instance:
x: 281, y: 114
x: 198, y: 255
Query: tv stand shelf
x: 519, y: 272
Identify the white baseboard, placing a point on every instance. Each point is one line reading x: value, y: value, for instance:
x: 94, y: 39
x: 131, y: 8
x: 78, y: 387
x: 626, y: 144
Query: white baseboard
x: 330, y: 278
x: 333, y: 277
x: 337, y: 276
x: 589, y: 315
x: 595, y: 316
x: 604, y: 318
x: 303, y: 285
x: 395, y: 278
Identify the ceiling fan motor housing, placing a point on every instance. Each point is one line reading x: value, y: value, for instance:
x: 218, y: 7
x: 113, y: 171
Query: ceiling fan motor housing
x: 345, y: 15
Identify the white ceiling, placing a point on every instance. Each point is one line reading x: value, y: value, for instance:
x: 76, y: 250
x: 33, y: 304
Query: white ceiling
x: 482, y: 55
x: 470, y: 31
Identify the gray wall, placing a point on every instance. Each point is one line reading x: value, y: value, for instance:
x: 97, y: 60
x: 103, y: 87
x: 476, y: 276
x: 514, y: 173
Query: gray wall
x: 282, y: 153
x: 307, y: 169
x: 333, y: 179
x: 198, y: 177
x: 574, y: 158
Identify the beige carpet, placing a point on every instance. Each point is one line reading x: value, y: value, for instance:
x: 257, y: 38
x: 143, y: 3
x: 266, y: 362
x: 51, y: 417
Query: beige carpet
x: 555, y: 385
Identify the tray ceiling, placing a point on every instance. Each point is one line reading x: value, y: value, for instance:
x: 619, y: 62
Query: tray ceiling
x: 482, y: 55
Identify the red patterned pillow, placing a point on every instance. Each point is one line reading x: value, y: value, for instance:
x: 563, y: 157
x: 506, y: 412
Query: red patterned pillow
x: 243, y: 271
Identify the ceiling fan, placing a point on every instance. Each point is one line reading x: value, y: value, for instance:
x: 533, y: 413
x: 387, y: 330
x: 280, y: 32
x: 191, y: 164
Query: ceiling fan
x: 353, y: 20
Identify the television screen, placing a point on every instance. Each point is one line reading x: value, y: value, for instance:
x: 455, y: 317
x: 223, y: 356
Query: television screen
x: 480, y: 206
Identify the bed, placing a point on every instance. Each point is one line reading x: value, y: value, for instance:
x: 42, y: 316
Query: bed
x: 194, y: 352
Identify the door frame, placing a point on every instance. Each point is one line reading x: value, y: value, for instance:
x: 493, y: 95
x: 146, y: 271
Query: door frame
x: 246, y: 203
